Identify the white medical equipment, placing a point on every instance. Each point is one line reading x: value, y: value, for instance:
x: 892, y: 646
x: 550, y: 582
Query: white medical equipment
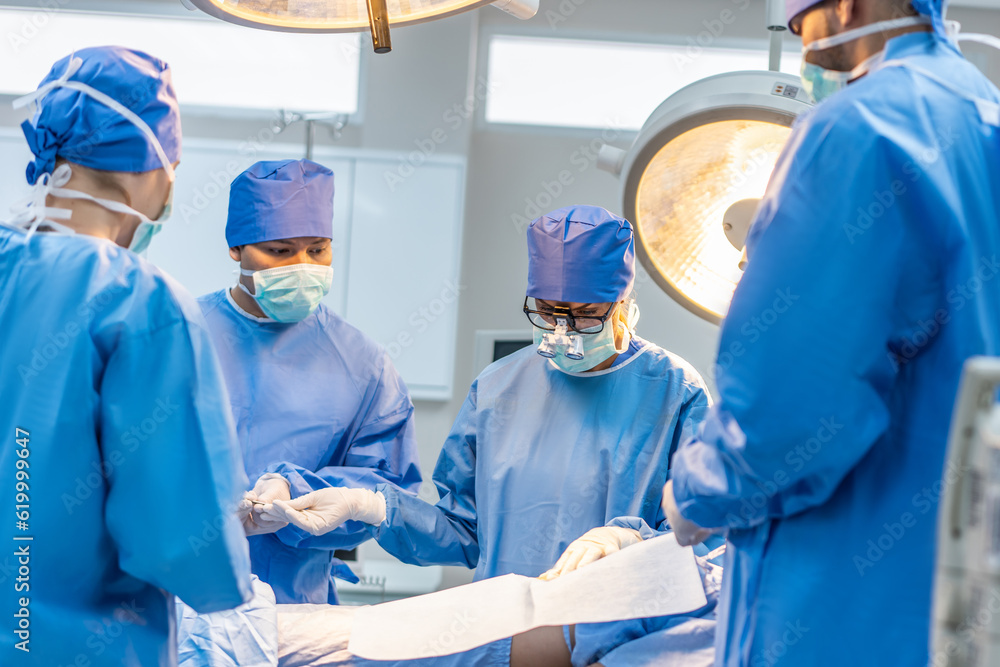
x: 965, y: 628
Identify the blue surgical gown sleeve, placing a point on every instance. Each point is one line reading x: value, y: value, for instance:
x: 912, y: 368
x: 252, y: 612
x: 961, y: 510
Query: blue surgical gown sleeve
x: 383, y: 451
x: 420, y: 533
x: 175, y: 469
x: 821, y: 302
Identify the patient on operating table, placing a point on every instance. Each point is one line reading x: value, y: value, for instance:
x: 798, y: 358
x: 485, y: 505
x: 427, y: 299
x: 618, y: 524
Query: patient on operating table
x: 264, y: 634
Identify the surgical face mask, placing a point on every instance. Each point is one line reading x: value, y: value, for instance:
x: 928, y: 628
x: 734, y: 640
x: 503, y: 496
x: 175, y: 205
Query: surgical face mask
x: 583, y: 351
x: 290, y: 293
x: 147, y: 228
x: 822, y: 83
x: 33, y: 212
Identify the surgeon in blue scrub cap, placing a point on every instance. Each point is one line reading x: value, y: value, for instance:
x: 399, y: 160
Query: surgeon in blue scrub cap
x: 823, y: 458
x: 120, y: 456
x: 317, y: 403
x: 548, y: 455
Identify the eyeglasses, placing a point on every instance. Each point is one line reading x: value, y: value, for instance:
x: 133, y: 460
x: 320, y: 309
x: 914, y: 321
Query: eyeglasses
x: 583, y: 320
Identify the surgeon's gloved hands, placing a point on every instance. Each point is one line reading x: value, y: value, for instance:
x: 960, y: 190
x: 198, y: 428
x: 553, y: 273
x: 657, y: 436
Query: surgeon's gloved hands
x: 254, y: 521
x: 269, y: 487
x: 245, y: 506
x: 687, y: 533
x: 321, y: 511
x: 594, y: 545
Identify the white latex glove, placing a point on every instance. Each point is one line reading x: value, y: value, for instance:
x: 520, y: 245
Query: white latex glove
x: 321, y: 511
x: 245, y: 506
x: 269, y: 487
x: 687, y: 533
x: 593, y: 545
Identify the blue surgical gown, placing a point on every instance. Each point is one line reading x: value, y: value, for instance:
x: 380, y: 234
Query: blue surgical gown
x: 537, y: 457
x: 320, y: 403
x: 874, y: 273
x: 133, y: 469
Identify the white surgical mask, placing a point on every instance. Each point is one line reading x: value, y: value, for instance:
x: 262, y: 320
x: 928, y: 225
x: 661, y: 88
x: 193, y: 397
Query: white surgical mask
x: 290, y: 293
x: 822, y: 83
x: 33, y: 212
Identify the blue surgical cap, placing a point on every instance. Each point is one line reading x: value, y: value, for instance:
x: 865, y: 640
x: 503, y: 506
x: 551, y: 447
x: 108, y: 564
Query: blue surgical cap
x: 795, y: 7
x: 280, y: 200
x: 73, y: 125
x: 581, y: 254
x: 933, y: 8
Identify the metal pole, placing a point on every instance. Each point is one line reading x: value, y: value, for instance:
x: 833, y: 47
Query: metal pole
x: 776, y: 15
x: 776, y: 26
x: 310, y: 138
x: 378, y: 18
x: 774, y: 61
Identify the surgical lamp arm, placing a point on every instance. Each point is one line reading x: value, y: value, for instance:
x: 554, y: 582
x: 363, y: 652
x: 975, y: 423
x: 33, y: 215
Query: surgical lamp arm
x: 776, y: 26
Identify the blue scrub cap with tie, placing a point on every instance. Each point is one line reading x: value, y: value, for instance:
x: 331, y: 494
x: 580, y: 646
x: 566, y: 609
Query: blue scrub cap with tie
x: 75, y: 116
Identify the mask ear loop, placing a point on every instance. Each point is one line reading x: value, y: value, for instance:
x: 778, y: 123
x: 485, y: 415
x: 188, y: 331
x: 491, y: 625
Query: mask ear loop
x: 870, y: 29
x: 34, y: 211
x: 620, y: 317
x: 630, y: 311
x: 239, y: 280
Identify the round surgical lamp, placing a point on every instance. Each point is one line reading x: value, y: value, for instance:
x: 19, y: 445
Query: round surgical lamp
x: 349, y: 15
x: 692, y: 179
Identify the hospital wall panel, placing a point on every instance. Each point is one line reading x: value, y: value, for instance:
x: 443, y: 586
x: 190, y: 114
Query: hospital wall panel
x: 396, y: 243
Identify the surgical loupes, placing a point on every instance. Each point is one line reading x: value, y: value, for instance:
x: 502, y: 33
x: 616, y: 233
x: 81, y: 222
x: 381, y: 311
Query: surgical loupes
x: 553, y: 341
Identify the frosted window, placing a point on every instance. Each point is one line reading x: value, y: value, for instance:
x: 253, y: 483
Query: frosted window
x: 215, y: 65
x: 597, y: 84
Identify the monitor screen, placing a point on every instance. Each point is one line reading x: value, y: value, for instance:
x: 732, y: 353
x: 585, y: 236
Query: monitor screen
x: 503, y: 348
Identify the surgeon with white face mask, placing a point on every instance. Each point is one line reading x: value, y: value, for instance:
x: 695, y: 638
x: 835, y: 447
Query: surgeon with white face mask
x: 316, y: 402
x: 549, y: 455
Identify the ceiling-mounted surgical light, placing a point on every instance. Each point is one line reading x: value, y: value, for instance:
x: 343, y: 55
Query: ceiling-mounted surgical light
x: 690, y: 180
x: 349, y: 15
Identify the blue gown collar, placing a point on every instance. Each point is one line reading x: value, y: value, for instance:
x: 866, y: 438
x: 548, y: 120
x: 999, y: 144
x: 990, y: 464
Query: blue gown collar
x: 239, y: 310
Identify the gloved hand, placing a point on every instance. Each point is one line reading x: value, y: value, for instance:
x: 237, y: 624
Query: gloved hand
x: 687, y: 533
x: 269, y: 487
x: 245, y: 506
x: 321, y: 511
x: 594, y: 545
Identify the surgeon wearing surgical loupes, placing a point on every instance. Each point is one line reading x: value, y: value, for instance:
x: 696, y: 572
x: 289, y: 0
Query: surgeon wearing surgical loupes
x: 111, y: 380
x: 822, y: 454
x: 316, y: 401
x: 547, y: 455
